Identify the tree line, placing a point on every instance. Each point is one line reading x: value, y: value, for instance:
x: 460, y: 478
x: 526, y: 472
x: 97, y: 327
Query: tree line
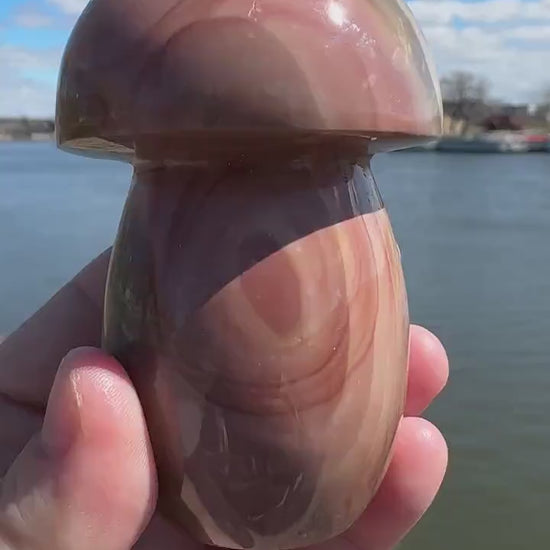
x: 466, y: 94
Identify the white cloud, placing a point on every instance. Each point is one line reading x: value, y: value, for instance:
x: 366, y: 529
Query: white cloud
x: 470, y: 44
x: 26, y: 97
x: 514, y: 72
x: 22, y: 94
x: 71, y: 7
x: 32, y: 19
x: 505, y: 41
x: 437, y: 12
x: 534, y: 33
x: 16, y: 59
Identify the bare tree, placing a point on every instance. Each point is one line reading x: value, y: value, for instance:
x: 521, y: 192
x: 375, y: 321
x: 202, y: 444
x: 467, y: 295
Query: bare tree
x: 466, y: 96
x: 462, y: 86
x: 543, y: 109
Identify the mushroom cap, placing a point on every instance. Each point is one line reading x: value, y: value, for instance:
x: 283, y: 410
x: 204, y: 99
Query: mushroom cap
x: 201, y: 73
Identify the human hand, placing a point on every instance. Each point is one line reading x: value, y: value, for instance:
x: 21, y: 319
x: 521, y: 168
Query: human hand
x: 83, y: 476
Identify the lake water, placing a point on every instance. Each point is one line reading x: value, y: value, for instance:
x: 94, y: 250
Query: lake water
x: 474, y: 233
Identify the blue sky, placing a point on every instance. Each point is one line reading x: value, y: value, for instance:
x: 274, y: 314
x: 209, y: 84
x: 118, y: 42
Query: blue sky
x: 507, y: 41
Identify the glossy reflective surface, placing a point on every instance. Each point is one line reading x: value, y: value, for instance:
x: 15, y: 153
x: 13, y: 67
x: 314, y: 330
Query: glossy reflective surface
x: 136, y: 69
x: 255, y: 292
x: 262, y: 315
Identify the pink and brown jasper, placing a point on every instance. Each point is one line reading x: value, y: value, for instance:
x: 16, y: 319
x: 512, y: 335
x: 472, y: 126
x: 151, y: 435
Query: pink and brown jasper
x: 266, y: 331
x: 255, y: 293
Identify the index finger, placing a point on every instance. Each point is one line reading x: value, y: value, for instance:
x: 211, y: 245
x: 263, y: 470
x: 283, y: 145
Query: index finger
x: 72, y: 318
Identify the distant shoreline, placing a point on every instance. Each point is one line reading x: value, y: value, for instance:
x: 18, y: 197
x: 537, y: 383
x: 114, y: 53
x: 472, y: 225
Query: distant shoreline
x: 33, y: 138
x: 26, y: 129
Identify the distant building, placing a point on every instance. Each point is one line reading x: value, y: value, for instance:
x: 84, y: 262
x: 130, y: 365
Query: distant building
x: 542, y: 112
x: 473, y: 117
x: 25, y: 129
x: 515, y: 111
x: 472, y: 111
x: 501, y: 121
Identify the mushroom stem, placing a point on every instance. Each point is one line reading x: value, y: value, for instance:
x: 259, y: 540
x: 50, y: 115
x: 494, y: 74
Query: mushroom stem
x: 260, y: 309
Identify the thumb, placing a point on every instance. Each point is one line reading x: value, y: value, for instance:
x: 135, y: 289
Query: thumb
x: 87, y: 480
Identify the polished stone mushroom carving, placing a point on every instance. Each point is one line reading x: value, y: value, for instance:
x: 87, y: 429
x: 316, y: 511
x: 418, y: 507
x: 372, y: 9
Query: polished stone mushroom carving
x: 255, y: 292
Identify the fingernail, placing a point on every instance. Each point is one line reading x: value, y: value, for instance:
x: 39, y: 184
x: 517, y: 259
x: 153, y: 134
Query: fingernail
x: 62, y: 420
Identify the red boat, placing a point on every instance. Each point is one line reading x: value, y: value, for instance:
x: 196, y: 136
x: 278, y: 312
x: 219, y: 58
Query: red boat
x: 537, y: 142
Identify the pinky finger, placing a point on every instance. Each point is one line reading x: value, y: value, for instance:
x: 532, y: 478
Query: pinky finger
x: 409, y: 488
